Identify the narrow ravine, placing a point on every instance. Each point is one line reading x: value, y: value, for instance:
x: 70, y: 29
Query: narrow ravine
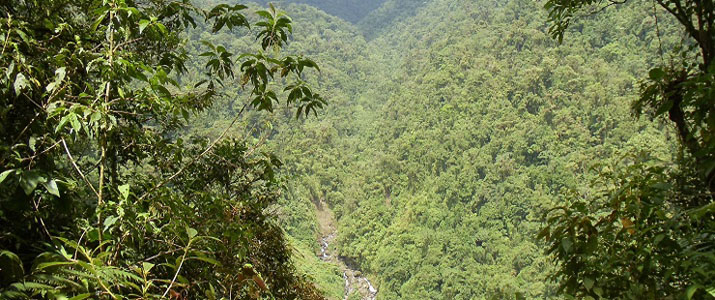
x: 354, y: 279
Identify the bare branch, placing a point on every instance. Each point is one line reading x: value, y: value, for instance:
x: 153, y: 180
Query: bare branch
x: 67, y: 150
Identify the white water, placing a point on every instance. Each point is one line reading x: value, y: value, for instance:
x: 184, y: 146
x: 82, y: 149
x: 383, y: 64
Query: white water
x: 353, y: 281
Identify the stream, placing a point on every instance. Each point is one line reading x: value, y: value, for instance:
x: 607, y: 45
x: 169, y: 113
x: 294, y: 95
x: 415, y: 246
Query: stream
x: 354, y: 279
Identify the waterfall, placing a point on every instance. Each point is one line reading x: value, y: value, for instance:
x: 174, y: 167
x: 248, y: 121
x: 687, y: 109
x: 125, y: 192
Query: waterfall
x: 371, y: 288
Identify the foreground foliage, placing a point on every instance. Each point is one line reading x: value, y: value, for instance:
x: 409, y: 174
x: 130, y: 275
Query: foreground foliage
x: 99, y: 197
x: 649, y: 231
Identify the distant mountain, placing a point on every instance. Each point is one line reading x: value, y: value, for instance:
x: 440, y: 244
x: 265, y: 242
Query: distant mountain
x: 389, y: 13
x: 373, y: 17
x: 350, y: 10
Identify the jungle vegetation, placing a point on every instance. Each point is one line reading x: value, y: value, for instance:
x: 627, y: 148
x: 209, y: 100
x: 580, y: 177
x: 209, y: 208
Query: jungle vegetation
x: 518, y: 149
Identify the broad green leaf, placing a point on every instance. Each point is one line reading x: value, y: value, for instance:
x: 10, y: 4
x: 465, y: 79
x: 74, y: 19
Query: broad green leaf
x: 74, y: 121
x: 22, y: 35
x: 711, y: 291
x: 664, y: 107
x: 51, y: 187
x: 99, y: 20
x: 598, y: 291
x: 11, y: 264
x: 60, y: 73
x: 51, y: 86
x: 4, y: 174
x: 143, y: 24
x: 93, y: 235
x: 59, y: 77
x: 147, y: 266
x: 124, y: 191
x: 95, y: 116
x: 588, y: 283
x: 30, y: 180
x: 191, y: 232
x: 691, y: 291
x: 265, y: 14
x: 32, y: 143
x: 162, y: 28
x: 64, y: 120
x: 656, y: 74
x: 10, y: 69
x: 81, y: 296
x: 109, y: 221
x: 20, y: 83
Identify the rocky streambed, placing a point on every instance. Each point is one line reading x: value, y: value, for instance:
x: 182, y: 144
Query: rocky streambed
x: 355, y: 281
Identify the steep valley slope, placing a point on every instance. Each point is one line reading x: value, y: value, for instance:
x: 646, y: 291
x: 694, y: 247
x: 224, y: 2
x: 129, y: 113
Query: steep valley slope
x: 452, y: 126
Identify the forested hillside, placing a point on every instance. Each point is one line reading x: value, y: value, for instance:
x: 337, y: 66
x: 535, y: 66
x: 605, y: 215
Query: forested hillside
x: 468, y: 150
x: 452, y: 131
x: 481, y: 124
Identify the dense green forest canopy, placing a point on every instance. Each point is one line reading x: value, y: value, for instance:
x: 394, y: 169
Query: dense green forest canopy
x: 470, y: 149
